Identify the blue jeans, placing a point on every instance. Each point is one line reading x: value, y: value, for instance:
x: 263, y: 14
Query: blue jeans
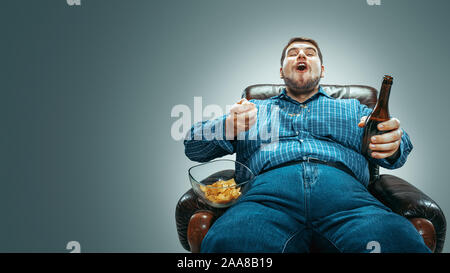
x: 310, y: 207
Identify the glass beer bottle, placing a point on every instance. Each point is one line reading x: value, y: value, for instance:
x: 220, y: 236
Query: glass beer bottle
x: 379, y: 114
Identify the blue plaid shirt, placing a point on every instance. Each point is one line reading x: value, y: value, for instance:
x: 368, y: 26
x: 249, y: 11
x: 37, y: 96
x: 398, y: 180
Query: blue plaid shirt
x: 321, y: 127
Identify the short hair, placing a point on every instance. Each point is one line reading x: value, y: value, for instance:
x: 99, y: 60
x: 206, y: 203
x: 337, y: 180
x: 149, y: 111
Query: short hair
x: 300, y: 39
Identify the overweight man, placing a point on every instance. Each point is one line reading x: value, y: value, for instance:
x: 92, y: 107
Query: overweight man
x: 310, y: 192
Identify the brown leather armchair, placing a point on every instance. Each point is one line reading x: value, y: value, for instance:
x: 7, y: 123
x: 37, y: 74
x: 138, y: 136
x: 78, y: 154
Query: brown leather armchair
x: 194, y: 217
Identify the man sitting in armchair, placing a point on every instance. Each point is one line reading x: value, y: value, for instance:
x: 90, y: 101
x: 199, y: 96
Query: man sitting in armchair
x: 311, y: 184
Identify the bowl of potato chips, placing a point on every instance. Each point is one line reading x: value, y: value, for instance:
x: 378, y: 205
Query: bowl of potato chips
x: 220, y: 183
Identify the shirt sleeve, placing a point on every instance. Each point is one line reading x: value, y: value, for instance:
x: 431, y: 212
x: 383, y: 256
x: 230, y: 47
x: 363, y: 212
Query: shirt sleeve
x: 404, y: 149
x: 207, y: 140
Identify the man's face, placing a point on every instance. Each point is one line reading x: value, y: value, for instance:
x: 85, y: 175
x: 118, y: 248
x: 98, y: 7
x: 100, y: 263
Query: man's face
x: 302, y: 68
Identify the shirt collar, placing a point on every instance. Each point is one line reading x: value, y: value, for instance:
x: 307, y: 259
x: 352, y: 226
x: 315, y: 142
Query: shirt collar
x: 283, y: 95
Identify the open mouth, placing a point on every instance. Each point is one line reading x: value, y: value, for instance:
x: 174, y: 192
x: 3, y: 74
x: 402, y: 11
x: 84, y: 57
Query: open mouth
x: 302, y: 67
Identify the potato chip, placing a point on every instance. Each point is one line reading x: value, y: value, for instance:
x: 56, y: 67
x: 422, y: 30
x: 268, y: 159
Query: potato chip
x: 222, y: 191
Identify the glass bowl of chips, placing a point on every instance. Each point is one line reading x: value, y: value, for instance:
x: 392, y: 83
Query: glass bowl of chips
x: 220, y: 183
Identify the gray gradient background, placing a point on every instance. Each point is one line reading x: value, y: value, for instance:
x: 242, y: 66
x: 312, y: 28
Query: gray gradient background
x: 86, y: 96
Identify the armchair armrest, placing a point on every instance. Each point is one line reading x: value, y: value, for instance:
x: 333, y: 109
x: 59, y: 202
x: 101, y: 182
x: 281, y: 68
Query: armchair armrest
x: 193, y: 218
x: 408, y: 201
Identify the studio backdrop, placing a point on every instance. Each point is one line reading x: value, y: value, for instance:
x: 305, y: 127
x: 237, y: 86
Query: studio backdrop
x: 92, y: 156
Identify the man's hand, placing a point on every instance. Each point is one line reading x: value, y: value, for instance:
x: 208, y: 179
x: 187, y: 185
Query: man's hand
x: 242, y: 117
x: 387, y: 144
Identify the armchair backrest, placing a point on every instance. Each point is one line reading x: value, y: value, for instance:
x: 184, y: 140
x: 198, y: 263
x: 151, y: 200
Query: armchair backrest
x: 365, y: 94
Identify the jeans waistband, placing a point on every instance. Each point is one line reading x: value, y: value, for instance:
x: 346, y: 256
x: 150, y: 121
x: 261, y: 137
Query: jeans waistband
x: 337, y: 165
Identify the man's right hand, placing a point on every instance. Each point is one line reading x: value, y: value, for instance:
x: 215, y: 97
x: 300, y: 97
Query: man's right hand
x: 242, y: 117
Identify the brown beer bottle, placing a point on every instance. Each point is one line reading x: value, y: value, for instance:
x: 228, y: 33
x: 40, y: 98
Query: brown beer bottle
x: 379, y: 114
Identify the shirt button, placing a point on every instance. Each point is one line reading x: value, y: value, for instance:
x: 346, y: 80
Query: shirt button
x: 296, y: 132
